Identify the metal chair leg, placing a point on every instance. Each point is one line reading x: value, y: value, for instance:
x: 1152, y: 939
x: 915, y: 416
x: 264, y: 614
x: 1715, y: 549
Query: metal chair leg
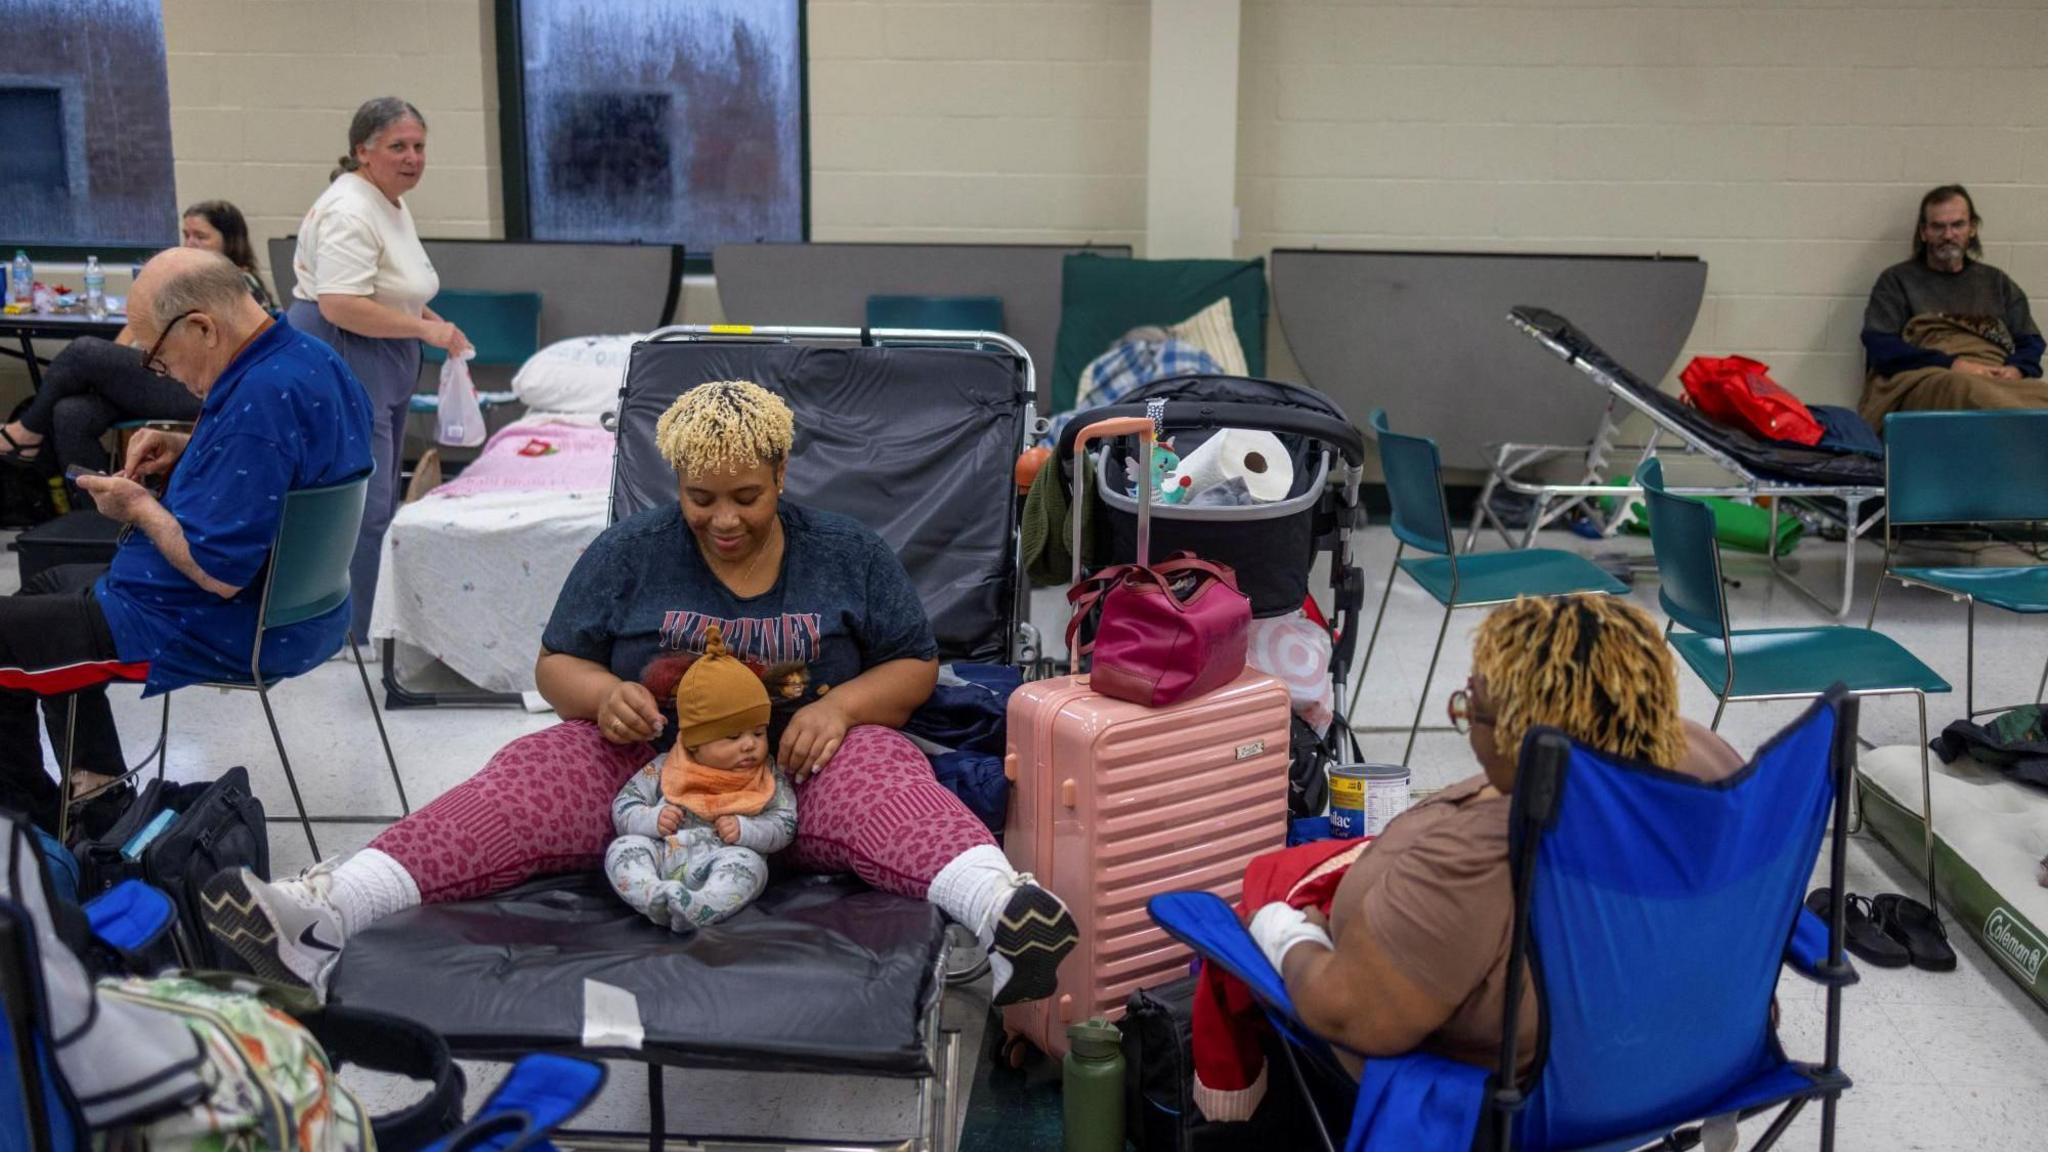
x: 1927, y: 804
x: 1372, y: 641
x: 1422, y: 698
x: 277, y: 737
x: 2043, y: 689
x: 1720, y: 707
x: 64, y: 776
x: 1969, y: 661
x: 377, y: 714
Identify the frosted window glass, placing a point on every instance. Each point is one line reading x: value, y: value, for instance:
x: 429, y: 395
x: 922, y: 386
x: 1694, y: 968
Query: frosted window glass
x: 670, y: 121
x: 85, y: 124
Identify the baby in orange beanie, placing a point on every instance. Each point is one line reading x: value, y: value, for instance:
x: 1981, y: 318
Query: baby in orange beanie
x: 696, y: 825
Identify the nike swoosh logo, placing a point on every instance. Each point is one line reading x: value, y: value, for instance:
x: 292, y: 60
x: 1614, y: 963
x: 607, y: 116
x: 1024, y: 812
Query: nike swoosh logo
x: 311, y: 941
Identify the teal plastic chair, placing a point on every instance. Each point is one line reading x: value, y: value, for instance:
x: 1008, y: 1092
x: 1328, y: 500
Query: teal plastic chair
x: 307, y: 577
x: 946, y: 313
x: 1968, y: 468
x: 503, y: 327
x: 1414, y: 476
x: 1770, y: 663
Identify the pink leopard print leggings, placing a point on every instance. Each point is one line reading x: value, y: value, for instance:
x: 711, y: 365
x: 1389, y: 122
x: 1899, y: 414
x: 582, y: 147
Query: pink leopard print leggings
x: 543, y: 805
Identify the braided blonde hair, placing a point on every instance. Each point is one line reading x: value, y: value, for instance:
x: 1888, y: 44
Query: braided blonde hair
x: 725, y: 426
x: 1594, y: 667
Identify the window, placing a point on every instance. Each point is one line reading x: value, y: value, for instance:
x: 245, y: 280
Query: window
x: 85, y: 127
x: 666, y: 121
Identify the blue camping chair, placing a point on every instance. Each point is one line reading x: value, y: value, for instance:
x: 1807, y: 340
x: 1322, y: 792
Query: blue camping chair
x: 1770, y: 663
x: 1415, y: 485
x: 39, y: 1112
x: 1968, y: 468
x: 1654, y: 911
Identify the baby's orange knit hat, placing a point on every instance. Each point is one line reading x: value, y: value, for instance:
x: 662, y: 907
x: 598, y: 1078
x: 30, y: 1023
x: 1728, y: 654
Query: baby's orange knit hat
x: 718, y: 697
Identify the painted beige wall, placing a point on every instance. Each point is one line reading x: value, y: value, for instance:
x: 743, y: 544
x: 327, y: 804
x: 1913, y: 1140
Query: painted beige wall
x: 1012, y: 122
x: 1786, y: 144
x: 262, y: 92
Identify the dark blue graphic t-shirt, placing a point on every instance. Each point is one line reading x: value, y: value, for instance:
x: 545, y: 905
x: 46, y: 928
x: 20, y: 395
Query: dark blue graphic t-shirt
x: 641, y: 593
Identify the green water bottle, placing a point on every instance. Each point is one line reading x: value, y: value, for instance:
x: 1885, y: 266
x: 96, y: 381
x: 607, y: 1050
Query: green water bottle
x: 1092, y: 1088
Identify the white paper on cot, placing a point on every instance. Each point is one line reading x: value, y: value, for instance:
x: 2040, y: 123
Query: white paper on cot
x: 459, y: 422
x: 611, y: 1017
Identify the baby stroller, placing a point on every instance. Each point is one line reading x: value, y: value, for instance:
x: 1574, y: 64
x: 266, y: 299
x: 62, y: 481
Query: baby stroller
x: 1273, y: 547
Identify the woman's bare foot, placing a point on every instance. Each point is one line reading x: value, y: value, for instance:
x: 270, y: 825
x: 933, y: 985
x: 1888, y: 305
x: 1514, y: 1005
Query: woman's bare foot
x: 85, y: 783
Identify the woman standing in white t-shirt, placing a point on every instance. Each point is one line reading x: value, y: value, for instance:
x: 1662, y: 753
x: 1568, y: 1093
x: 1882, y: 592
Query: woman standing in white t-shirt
x: 363, y: 286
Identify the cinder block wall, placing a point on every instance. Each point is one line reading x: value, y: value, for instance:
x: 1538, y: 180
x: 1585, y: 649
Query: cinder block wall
x: 1014, y: 122
x: 262, y: 92
x: 1786, y: 142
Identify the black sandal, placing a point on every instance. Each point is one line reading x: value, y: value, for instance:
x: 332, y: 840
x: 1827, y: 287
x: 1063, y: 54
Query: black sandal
x: 18, y: 453
x: 1861, y: 934
x: 1915, y: 925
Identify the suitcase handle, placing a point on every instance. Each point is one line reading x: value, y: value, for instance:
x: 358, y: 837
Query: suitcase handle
x: 1143, y: 428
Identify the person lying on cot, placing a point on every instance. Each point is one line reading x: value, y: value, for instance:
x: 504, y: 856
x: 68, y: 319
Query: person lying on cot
x: 696, y: 825
x: 786, y: 586
x: 1400, y: 943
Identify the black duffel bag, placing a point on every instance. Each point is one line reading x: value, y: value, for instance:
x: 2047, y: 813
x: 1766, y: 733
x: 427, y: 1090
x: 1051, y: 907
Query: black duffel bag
x: 1159, y: 1084
x: 176, y: 837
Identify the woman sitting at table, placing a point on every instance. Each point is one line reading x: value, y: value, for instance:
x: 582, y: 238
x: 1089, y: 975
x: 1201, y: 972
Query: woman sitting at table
x: 94, y: 384
x: 786, y: 585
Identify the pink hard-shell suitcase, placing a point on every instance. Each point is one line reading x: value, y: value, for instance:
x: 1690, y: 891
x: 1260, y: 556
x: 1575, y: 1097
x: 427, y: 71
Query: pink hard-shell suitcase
x: 1114, y: 802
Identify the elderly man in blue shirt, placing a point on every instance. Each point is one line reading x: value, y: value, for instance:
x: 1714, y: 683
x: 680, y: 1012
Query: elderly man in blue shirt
x: 279, y: 412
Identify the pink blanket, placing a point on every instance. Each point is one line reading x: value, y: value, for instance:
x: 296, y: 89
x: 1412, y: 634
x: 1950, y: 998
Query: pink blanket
x: 528, y: 457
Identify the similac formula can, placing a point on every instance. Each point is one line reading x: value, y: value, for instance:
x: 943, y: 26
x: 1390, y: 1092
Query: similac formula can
x: 1363, y: 797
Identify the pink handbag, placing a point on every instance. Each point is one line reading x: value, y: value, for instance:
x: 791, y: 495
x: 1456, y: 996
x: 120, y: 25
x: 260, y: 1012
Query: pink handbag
x: 1169, y: 632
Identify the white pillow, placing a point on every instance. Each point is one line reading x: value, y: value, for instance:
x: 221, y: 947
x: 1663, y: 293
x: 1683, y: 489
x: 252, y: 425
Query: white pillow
x: 580, y: 374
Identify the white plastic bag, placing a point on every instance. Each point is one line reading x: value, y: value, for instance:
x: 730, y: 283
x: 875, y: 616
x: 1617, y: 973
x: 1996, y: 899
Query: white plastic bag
x: 460, y: 421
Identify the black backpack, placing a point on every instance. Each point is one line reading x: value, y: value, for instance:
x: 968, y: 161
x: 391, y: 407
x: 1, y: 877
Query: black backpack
x: 176, y: 837
x: 1159, y: 1084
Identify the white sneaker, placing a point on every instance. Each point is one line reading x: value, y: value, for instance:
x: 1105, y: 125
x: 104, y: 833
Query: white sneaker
x: 287, y: 931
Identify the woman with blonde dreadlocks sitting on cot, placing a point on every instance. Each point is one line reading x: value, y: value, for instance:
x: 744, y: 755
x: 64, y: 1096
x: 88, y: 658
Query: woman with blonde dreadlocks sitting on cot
x: 811, y: 600
x: 1403, y: 941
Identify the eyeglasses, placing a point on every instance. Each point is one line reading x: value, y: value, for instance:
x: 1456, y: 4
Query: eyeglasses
x: 1465, y: 712
x: 150, y: 360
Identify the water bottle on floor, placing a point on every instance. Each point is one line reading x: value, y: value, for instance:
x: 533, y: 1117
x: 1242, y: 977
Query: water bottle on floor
x: 95, y: 289
x: 1092, y: 1088
x: 21, y: 280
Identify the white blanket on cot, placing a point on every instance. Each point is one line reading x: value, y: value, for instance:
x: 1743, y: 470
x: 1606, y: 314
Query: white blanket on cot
x: 471, y: 571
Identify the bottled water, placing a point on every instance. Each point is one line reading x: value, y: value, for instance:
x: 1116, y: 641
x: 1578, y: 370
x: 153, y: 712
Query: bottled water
x: 21, y: 280
x: 95, y: 289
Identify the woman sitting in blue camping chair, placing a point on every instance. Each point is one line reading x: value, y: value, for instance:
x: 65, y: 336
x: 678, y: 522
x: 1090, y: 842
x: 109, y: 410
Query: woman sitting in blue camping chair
x: 1408, y: 936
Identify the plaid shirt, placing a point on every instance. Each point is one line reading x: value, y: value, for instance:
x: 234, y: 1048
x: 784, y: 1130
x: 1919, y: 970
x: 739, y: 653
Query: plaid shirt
x: 1129, y: 366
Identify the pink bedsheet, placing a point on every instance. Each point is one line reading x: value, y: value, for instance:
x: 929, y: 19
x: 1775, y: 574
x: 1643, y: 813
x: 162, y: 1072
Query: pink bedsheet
x: 530, y: 457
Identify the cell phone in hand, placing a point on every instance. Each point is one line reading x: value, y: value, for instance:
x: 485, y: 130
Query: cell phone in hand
x: 77, y: 470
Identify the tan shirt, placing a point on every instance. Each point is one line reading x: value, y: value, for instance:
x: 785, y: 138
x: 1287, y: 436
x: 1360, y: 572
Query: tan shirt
x: 1436, y: 892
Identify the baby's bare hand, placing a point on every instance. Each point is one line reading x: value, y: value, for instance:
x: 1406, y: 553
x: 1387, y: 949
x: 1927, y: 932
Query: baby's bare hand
x: 671, y: 818
x: 728, y: 828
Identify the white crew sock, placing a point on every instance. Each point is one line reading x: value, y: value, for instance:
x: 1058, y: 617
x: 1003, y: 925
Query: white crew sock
x: 973, y: 887
x: 369, y: 886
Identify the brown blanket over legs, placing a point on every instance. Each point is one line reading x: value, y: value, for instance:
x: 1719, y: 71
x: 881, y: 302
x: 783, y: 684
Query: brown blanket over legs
x: 1945, y: 389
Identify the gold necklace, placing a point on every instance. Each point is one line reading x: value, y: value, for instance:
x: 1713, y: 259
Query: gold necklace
x: 747, y: 577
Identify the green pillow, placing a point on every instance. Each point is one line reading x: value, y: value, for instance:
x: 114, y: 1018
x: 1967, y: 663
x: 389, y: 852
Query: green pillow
x: 1103, y: 298
x: 504, y: 327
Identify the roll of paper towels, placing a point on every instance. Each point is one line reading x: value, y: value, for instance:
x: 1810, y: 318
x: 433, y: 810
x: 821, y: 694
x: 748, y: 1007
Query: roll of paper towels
x: 1255, y: 457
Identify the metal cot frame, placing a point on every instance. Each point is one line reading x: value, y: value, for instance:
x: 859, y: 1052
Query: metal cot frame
x: 1024, y: 646
x: 1512, y: 463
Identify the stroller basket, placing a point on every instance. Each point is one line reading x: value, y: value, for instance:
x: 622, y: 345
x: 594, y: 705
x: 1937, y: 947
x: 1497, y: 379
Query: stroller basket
x: 1272, y: 547
x: 1266, y: 544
